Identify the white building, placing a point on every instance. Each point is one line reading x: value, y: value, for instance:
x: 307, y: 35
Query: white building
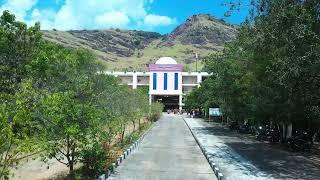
x: 166, y: 81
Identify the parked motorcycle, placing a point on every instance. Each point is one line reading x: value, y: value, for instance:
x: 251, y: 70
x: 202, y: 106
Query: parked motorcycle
x: 261, y: 134
x: 265, y: 133
x: 245, y: 129
x: 301, y: 141
x: 273, y: 135
x: 234, y: 125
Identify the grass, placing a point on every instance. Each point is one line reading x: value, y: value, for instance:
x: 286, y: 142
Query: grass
x: 184, y: 54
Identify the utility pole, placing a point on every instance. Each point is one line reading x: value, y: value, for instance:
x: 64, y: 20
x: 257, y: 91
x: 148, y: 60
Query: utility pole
x: 196, y: 62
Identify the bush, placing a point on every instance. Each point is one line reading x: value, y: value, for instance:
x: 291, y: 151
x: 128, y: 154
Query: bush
x: 155, y: 112
x: 93, y: 159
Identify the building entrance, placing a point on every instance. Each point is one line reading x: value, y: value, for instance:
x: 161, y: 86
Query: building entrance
x: 170, y: 102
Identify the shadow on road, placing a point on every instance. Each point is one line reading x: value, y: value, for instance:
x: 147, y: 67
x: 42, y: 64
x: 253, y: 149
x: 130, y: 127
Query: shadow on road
x: 270, y: 159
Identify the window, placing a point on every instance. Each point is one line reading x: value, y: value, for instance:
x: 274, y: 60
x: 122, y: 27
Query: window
x: 176, y: 81
x: 154, y: 81
x: 165, y: 78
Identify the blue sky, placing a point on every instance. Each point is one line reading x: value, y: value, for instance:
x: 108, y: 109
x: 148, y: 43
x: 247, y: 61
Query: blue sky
x: 150, y: 15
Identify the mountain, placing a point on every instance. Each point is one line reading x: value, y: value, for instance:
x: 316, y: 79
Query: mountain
x: 134, y: 50
x: 202, y: 30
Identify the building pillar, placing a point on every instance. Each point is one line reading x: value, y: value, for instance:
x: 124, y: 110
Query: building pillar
x: 199, y: 79
x: 180, y: 102
x: 150, y: 99
x: 134, y: 81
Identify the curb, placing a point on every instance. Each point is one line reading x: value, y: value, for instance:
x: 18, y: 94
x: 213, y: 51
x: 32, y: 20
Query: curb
x: 213, y: 165
x: 125, y: 155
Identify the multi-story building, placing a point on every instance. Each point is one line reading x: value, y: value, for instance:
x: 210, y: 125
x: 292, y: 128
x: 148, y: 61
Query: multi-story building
x: 166, y: 82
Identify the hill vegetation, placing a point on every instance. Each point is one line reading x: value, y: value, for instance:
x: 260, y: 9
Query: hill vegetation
x: 134, y: 50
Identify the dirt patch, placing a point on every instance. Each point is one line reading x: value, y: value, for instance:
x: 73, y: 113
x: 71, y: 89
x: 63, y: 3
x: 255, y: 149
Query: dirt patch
x: 35, y: 169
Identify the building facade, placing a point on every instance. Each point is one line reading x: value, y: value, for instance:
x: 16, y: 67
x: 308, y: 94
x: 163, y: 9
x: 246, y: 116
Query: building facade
x: 166, y: 81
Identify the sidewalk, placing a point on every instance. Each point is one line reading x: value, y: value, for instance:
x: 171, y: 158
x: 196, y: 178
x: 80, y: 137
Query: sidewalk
x: 167, y: 152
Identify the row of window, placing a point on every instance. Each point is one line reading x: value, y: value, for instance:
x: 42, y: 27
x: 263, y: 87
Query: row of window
x: 165, y: 79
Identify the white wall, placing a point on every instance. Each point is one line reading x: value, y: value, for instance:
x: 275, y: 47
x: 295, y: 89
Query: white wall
x: 188, y: 82
x: 160, y: 84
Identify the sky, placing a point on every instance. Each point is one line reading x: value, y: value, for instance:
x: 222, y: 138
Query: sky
x: 149, y: 15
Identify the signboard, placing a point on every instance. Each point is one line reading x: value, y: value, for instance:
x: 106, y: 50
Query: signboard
x: 215, y: 112
x: 165, y: 67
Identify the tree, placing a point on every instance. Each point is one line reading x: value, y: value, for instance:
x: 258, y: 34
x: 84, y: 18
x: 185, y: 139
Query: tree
x: 67, y: 109
x: 17, y: 47
x: 269, y: 72
x: 17, y: 130
x: 70, y: 127
x: 59, y: 101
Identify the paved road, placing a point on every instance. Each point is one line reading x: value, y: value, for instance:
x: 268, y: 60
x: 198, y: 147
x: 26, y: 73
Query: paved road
x: 167, y: 152
x: 240, y: 157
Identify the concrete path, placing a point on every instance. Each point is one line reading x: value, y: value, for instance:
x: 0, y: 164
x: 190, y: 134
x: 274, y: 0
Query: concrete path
x: 167, y: 152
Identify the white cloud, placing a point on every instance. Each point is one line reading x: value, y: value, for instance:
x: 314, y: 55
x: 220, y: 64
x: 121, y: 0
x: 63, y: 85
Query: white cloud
x: 80, y: 14
x: 46, y: 17
x: 84, y: 14
x: 112, y: 19
x: 19, y: 7
x: 156, y: 20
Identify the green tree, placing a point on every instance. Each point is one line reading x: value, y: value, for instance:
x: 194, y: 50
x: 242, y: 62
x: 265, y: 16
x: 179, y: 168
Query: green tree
x: 68, y: 108
x: 17, y: 130
x: 17, y: 98
x: 270, y: 72
x: 18, y: 45
x: 58, y: 100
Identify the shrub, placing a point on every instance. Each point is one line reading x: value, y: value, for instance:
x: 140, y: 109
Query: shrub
x: 93, y: 159
x: 155, y: 111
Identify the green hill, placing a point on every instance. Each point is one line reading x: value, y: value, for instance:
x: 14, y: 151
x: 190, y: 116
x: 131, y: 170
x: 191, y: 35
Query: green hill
x: 134, y: 50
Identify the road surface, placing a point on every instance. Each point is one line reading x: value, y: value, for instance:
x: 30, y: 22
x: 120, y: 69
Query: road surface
x: 167, y: 152
x: 241, y: 157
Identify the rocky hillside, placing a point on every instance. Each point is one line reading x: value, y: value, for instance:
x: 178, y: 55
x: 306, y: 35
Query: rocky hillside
x: 133, y: 50
x: 112, y: 41
x: 202, y: 30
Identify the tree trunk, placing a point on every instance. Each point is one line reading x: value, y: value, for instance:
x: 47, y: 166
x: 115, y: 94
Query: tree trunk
x: 71, y: 171
x: 70, y: 158
x: 289, y: 130
x: 139, y: 124
x: 134, y: 126
x: 122, y: 134
x: 286, y: 131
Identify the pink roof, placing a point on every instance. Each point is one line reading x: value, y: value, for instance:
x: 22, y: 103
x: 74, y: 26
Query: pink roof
x: 165, y: 67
